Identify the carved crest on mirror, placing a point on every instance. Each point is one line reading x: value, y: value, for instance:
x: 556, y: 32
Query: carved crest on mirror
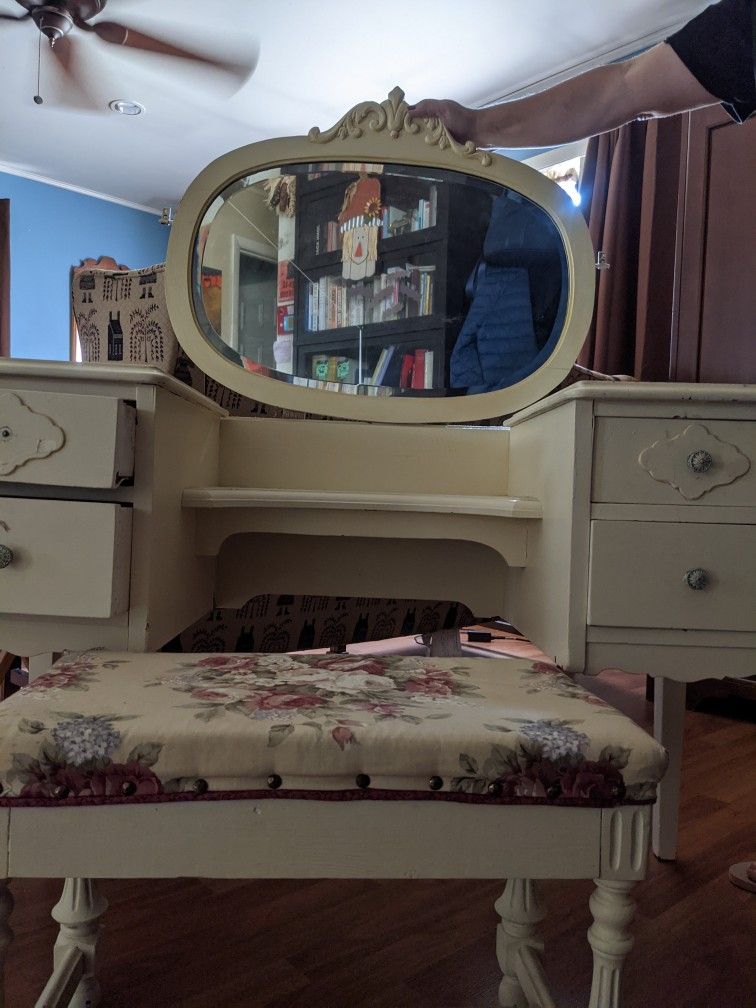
x: 392, y: 116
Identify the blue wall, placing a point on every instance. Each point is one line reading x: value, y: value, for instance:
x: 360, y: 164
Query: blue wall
x: 51, y: 230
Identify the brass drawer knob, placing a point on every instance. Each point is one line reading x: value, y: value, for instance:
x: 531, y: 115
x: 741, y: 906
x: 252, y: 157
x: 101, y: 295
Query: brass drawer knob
x: 697, y: 579
x: 700, y: 461
x: 6, y: 556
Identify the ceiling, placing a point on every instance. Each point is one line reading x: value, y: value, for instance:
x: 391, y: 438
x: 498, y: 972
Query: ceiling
x: 317, y: 58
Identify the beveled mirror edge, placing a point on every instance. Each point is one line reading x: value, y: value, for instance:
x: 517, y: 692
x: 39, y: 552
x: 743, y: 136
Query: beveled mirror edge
x: 381, y: 133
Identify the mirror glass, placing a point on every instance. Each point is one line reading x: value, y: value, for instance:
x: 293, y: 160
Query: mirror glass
x: 374, y: 279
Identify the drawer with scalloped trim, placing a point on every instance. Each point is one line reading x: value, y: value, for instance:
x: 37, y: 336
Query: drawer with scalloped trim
x: 668, y: 461
x: 64, y: 558
x: 670, y: 575
x: 60, y: 439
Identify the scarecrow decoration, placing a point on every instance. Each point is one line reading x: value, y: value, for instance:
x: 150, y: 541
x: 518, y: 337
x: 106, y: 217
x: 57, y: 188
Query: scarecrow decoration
x: 359, y: 222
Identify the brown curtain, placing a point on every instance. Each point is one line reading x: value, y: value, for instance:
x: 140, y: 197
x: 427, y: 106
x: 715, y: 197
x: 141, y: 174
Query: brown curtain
x: 4, y: 278
x: 630, y: 190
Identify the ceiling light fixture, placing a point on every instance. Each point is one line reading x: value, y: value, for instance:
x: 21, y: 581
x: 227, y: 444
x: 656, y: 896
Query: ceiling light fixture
x: 126, y: 107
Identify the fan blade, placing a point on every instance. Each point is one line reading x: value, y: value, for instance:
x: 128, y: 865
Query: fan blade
x: 119, y: 34
x: 12, y: 17
x: 77, y: 84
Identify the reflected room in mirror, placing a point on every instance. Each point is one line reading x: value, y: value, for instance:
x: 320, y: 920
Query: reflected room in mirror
x: 380, y: 279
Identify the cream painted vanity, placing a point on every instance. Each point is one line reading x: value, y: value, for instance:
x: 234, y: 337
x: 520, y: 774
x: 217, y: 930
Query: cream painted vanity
x: 613, y: 523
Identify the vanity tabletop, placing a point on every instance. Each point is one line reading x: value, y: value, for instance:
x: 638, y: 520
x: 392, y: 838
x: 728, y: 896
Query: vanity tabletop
x: 639, y: 392
x: 133, y: 374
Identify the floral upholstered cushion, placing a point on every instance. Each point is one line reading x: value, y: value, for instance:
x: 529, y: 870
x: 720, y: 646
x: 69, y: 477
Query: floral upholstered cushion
x: 104, y: 727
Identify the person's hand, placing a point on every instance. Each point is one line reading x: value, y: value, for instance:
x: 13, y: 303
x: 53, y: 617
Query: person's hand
x: 458, y: 120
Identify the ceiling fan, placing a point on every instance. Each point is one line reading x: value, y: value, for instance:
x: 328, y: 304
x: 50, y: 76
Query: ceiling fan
x: 65, y: 22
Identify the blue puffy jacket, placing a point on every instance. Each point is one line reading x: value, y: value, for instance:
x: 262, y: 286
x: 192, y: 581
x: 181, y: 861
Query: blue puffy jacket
x: 497, y: 339
x: 517, y: 294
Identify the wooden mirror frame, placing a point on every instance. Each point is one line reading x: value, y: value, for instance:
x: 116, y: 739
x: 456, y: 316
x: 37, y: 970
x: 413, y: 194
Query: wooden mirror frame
x: 381, y: 133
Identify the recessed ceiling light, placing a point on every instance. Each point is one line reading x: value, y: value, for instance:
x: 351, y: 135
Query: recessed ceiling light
x: 126, y: 107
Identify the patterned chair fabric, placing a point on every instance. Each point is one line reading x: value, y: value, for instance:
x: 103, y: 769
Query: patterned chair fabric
x: 278, y: 623
x: 122, y: 317
x: 107, y: 728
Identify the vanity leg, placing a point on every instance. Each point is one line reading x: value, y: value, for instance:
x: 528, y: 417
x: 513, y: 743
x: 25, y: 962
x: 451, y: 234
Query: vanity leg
x: 613, y: 911
x: 78, y: 912
x: 518, y: 947
x: 669, y: 721
x: 6, y: 935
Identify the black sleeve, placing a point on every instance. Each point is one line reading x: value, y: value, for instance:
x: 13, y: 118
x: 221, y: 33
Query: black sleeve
x: 718, y: 49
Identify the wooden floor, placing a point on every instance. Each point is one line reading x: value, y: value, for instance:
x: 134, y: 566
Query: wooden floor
x: 410, y: 944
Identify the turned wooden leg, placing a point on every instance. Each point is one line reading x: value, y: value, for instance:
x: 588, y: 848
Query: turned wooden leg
x: 6, y: 935
x: 669, y: 721
x: 518, y: 947
x: 613, y: 910
x: 78, y: 912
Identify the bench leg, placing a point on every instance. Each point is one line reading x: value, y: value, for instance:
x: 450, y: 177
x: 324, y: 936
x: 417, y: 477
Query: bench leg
x: 78, y: 912
x: 613, y: 911
x: 518, y: 947
x: 6, y: 935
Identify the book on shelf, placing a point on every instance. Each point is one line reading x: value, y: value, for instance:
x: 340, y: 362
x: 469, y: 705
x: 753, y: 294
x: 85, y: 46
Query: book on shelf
x: 335, y: 368
x: 422, y: 369
x: 428, y: 375
x: 418, y: 369
x: 393, y: 373
x: 384, y: 359
x: 400, y: 292
x: 284, y: 283
x: 406, y: 372
x: 333, y: 236
x: 284, y: 319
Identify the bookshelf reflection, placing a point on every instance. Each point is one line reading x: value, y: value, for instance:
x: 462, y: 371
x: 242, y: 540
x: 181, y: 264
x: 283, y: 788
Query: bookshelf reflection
x: 373, y: 279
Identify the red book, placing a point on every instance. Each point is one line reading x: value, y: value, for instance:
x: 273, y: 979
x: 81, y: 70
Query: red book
x: 405, y: 375
x: 418, y: 370
x: 285, y: 291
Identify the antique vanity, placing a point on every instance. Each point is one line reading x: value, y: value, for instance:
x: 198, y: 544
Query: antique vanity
x: 369, y: 275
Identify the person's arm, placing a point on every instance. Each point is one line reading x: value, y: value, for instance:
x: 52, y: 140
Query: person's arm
x: 655, y: 83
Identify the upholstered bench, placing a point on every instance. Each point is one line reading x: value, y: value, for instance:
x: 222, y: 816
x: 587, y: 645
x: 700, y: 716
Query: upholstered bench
x: 246, y: 765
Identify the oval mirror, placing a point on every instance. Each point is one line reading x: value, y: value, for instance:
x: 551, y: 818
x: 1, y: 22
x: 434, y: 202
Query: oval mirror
x: 400, y: 289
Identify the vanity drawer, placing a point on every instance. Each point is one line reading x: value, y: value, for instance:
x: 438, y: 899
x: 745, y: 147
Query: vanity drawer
x: 67, y: 558
x: 59, y: 439
x: 644, y: 574
x: 658, y: 461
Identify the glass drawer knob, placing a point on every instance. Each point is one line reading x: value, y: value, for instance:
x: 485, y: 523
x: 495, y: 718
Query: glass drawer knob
x: 700, y: 461
x: 697, y: 579
x: 6, y: 556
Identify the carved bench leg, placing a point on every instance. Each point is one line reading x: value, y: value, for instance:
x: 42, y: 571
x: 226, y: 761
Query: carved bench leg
x: 613, y: 911
x: 518, y: 947
x: 78, y: 912
x: 6, y: 935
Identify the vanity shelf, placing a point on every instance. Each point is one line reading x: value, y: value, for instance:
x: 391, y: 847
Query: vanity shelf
x: 222, y: 512
x: 251, y: 497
